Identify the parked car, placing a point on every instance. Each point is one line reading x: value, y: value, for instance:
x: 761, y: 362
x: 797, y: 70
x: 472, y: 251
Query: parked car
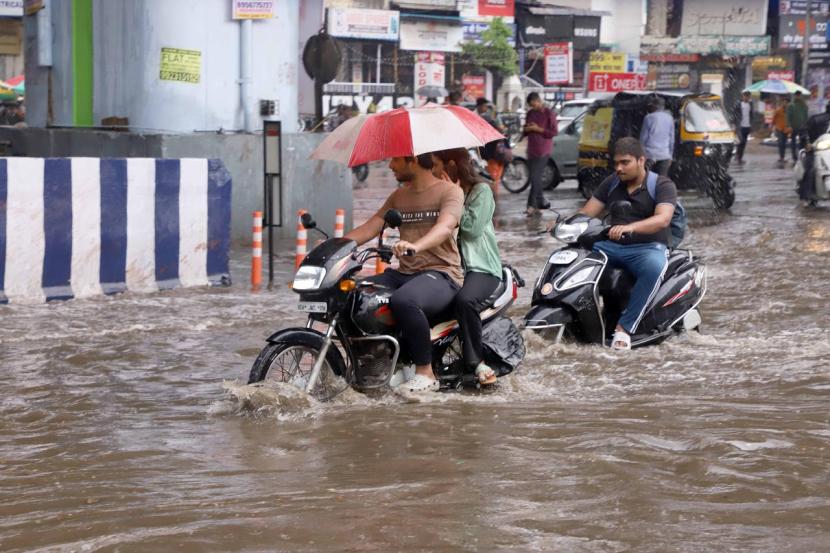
x: 562, y: 164
x: 571, y: 109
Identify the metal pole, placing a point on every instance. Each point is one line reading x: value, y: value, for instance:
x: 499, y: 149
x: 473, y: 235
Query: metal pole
x: 805, y: 54
x: 245, y: 78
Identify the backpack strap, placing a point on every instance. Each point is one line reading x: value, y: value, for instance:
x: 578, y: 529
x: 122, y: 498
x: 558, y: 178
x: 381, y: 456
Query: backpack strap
x: 651, y: 185
x: 614, y: 183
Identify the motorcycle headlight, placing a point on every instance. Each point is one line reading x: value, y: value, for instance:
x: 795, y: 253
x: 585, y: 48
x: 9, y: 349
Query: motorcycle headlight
x: 569, y: 233
x: 309, y: 278
x: 823, y: 144
x: 577, y: 278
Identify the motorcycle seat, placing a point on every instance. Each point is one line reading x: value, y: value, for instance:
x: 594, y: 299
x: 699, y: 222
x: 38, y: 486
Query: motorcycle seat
x: 676, y: 259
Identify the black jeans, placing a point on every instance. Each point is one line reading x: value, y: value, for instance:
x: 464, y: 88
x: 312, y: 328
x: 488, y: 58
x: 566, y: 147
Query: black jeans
x: 416, y: 298
x: 536, y: 166
x: 801, y: 136
x: 660, y: 166
x: 468, y: 305
x: 808, y: 182
x: 744, y: 136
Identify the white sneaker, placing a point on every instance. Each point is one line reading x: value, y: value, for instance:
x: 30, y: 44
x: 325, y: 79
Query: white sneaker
x: 418, y: 384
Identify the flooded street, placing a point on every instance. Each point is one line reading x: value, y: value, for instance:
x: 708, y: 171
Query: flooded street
x: 118, y: 432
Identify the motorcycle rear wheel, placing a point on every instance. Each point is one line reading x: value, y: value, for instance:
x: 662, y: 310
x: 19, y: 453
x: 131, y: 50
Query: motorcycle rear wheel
x: 291, y: 363
x: 516, y: 177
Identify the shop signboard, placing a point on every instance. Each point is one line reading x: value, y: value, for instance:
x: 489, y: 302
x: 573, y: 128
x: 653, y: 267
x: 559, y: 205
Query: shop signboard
x: 253, y: 9
x: 496, y: 8
x: 429, y: 69
x: 791, y: 32
x: 474, y: 87
x: 433, y: 36
x: 706, y: 45
x: 608, y: 62
x: 473, y: 30
x: 617, y: 82
x: 11, y: 8
x: 367, y: 24
x: 537, y: 30
x: 799, y: 7
x: 585, y: 32
x: 716, y: 17
x: 558, y: 63
x: 786, y: 75
x: 670, y: 58
x: 672, y: 76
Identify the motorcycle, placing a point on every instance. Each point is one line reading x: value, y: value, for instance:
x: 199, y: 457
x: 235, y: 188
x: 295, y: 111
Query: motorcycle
x: 579, y: 295
x: 359, y: 325
x: 361, y: 172
x: 821, y: 168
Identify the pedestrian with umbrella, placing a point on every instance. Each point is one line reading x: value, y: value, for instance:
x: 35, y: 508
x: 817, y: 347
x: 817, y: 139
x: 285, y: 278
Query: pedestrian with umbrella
x: 430, y: 272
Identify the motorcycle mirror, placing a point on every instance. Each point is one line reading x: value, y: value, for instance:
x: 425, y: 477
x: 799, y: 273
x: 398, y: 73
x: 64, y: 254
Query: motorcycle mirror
x: 620, y: 209
x: 393, y: 218
x: 308, y: 221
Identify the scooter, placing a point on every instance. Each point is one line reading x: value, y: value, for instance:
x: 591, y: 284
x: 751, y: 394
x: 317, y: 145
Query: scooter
x: 358, y: 324
x: 821, y: 168
x: 579, y: 296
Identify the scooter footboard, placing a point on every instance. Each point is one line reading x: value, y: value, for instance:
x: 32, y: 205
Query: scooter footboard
x: 544, y: 318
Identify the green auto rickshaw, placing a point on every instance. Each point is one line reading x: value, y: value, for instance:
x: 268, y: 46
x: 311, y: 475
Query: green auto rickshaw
x: 704, y: 141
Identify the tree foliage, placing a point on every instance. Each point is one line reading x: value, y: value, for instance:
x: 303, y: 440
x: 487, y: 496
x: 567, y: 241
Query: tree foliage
x: 494, y: 52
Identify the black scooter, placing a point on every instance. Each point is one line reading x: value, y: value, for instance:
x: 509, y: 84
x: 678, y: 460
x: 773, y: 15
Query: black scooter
x: 578, y: 295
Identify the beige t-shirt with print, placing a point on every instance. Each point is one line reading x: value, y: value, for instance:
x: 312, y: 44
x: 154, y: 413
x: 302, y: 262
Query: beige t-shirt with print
x: 420, y: 211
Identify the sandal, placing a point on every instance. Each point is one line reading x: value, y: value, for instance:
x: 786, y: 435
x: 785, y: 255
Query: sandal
x: 485, y: 374
x: 418, y: 384
x: 621, y: 340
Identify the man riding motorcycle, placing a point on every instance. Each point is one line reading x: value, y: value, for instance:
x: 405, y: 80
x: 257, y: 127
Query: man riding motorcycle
x: 817, y: 125
x: 638, y: 239
x: 430, y: 273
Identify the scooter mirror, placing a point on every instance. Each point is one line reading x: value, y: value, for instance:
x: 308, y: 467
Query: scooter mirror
x: 393, y: 218
x: 308, y: 221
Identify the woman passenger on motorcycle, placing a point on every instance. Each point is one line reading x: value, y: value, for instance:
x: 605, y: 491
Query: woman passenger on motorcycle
x: 479, y: 254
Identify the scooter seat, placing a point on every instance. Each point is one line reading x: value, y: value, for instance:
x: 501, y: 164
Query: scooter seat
x: 676, y: 259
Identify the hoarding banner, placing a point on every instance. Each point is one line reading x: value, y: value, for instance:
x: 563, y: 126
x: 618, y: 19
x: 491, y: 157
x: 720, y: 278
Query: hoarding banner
x: 791, y: 32
x: 184, y: 66
x: 431, y: 36
x: 368, y: 24
x: 716, y: 17
x: 474, y: 87
x: 703, y: 45
x: 496, y: 8
x: 617, y: 82
x: 11, y: 8
x: 473, y: 30
x: 608, y: 62
x: 799, y: 7
x: 429, y: 69
x: 253, y: 9
x: 558, y: 63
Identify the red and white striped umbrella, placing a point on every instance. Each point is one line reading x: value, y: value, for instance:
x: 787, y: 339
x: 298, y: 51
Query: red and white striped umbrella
x: 405, y: 132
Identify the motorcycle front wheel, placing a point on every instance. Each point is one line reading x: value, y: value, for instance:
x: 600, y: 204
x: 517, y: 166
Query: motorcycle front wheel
x: 723, y: 193
x: 291, y: 363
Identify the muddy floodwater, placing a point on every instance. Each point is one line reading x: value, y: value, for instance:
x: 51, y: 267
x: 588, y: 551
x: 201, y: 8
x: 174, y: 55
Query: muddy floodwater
x: 124, y: 425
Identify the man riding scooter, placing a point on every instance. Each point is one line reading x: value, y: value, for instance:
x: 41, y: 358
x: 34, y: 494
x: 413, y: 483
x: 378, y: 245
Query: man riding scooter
x: 817, y: 125
x: 638, y: 239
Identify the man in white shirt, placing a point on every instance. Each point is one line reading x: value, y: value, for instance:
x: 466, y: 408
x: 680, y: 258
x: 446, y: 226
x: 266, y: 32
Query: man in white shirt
x: 657, y: 137
x: 746, y: 124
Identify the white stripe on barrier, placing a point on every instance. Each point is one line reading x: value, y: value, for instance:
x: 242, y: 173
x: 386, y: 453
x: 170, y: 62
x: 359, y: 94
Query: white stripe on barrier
x: 256, y: 252
x: 86, y: 227
x: 193, y: 216
x: 257, y: 237
x: 24, y: 217
x: 141, y: 225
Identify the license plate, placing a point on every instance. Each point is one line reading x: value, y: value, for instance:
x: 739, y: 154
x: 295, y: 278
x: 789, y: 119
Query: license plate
x: 312, y: 306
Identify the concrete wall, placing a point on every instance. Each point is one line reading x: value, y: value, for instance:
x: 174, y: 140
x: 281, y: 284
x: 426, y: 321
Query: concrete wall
x: 320, y: 187
x: 39, y: 112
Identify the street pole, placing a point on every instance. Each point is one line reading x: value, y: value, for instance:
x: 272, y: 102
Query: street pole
x: 805, y: 53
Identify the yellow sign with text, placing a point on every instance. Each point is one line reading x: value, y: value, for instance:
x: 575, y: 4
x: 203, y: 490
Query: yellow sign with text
x: 184, y: 66
x: 608, y: 62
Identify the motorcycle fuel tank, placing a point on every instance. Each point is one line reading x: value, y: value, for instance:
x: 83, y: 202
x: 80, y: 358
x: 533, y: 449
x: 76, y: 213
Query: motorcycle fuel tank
x: 371, y: 312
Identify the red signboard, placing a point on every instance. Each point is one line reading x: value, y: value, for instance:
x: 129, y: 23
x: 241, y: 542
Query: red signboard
x: 497, y: 8
x: 781, y: 75
x: 617, y: 82
x: 558, y: 63
x: 473, y: 87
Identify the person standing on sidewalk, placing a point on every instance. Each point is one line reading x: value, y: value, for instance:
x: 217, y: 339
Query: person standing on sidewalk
x: 540, y: 128
x: 781, y: 128
x: 657, y: 137
x: 745, y: 125
x: 797, y: 120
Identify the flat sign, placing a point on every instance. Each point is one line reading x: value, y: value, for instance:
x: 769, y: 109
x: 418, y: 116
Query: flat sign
x: 368, y: 24
x: 496, y: 8
x: 11, y: 8
x: 617, y: 82
x: 558, y: 63
x: 431, y: 36
x: 253, y: 9
x: 608, y: 62
x: 184, y: 66
x: 429, y: 69
x: 716, y: 17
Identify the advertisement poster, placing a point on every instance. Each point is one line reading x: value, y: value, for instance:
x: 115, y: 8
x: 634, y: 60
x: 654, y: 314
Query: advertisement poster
x: 368, y: 24
x: 429, y: 35
x: 496, y: 8
x: 474, y: 86
x: 253, y: 9
x: 184, y: 66
x: 558, y: 63
x: 608, y: 62
x: 617, y: 82
x: 429, y: 69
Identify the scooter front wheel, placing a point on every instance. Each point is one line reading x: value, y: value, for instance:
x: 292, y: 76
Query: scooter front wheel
x: 292, y: 362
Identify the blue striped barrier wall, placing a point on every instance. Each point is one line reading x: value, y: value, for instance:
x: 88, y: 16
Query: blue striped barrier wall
x: 79, y: 227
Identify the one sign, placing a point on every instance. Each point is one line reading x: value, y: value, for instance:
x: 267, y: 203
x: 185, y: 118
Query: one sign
x: 785, y: 75
x: 473, y: 30
x: 608, y: 62
x: 791, y: 32
x: 799, y: 7
x: 716, y: 17
x: 558, y: 63
x: 368, y: 24
x: 429, y: 69
x: 474, y: 87
x: 496, y: 8
x: 433, y: 36
x: 704, y: 45
x: 253, y: 9
x: 31, y: 7
x: 184, y: 66
x: 11, y: 8
x: 617, y: 82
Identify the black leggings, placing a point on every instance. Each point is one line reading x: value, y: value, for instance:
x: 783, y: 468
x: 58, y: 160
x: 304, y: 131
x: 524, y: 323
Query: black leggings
x: 468, y: 305
x: 417, y: 297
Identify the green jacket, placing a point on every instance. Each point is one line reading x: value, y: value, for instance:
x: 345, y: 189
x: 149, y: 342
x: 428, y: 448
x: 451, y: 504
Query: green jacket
x: 797, y: 115
x: 476, y: 235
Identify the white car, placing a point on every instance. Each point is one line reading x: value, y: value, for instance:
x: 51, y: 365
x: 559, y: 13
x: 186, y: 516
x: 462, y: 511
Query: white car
x: 571, y: 109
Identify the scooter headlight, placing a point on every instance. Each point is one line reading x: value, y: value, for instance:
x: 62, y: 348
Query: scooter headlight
x: 309, y: 278
x: 568, y: 233
x: 823, y: 144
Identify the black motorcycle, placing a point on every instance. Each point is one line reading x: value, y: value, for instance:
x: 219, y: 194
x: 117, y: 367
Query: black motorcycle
x: 580, y: 296
x: 360, y: 344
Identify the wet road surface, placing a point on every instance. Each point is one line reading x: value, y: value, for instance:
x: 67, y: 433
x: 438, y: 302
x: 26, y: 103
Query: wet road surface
x: 117, y: 433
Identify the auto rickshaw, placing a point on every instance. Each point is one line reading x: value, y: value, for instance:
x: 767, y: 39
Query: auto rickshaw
x: 704, y: 141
